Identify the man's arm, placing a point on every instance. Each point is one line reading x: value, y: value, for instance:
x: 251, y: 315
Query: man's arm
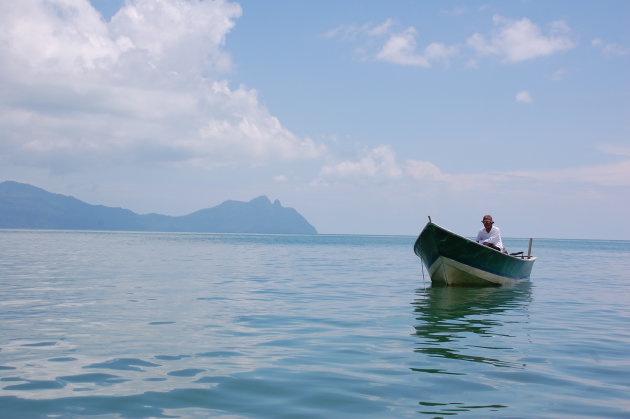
x: 494, y: 240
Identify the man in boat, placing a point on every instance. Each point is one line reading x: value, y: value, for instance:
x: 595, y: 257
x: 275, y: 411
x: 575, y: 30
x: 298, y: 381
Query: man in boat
x: 490, y: 235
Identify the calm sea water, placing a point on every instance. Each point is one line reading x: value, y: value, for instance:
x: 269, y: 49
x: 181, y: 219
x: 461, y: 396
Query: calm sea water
x: 143, y: 325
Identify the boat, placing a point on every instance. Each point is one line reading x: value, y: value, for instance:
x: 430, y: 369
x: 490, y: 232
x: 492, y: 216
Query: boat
x: 456, y: 260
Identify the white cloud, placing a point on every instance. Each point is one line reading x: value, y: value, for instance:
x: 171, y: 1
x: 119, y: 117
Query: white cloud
x: 616, y: 149
x: 524, y: 97
x: 436, y: 51
x: 423, y: 170
x: 350, y: 32
x: 386, y: 42
x: 472, y: 64
x: 610, y: 49
x: 520, y: 40
x: 401, y: 49
x: 512, y: 40
x: 559, y: 75
x: 613, y: 174
x: 382, y: 29
x: 381, y: 165
x: 143, y: 87
x: 180, y: 36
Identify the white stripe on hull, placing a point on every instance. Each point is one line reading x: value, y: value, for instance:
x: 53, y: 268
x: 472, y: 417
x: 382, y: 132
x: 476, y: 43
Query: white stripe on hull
x: 450, y: 272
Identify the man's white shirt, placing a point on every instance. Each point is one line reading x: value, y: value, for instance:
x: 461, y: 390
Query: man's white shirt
x: 493, y: 236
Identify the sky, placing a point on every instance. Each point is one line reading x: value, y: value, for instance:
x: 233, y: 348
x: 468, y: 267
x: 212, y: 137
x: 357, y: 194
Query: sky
x: 365, y: 116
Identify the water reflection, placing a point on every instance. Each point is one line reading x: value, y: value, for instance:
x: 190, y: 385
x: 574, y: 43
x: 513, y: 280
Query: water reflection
x: 467, y: 336
x: 453, y: 321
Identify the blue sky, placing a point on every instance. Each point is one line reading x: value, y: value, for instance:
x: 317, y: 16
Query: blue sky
x: 365, y: 116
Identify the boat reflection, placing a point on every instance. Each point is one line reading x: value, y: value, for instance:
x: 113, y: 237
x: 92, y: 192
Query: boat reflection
x: 471, y: 324
x: 469, y: 337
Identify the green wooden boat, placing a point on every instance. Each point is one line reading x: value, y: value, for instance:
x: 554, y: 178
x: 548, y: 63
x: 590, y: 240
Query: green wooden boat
x: 456, y: 260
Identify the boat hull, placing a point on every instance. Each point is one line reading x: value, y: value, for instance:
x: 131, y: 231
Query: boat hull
x: 456, y: 260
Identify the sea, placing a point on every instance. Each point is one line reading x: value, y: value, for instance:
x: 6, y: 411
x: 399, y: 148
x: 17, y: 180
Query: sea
x: 171, y: 325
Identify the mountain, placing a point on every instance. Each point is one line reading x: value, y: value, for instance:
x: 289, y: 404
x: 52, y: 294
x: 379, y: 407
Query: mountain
x: 26, y: 206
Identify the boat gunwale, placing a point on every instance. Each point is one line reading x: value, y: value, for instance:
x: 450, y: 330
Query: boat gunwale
x: 523, y: 258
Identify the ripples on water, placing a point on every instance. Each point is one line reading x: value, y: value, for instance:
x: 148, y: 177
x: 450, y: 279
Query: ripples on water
x: 139, y: 325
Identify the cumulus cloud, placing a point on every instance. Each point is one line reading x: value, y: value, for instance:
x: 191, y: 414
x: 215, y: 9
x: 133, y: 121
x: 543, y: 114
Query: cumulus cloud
x: 559, y: 75
x: 524, y: 97
x: 351, y: 32
x: 389, y: 43
x: 380, y: 165
x: 511, y: 40
x: 616, y: 149
x: 145, y: 86
x: 401, y: 48
x: 420, y: 170
x: 521, y: 40
x: 610, y: 49
x: 613, y: 174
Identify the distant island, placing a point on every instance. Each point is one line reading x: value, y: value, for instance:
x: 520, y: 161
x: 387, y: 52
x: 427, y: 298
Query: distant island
x: 24, y: 206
